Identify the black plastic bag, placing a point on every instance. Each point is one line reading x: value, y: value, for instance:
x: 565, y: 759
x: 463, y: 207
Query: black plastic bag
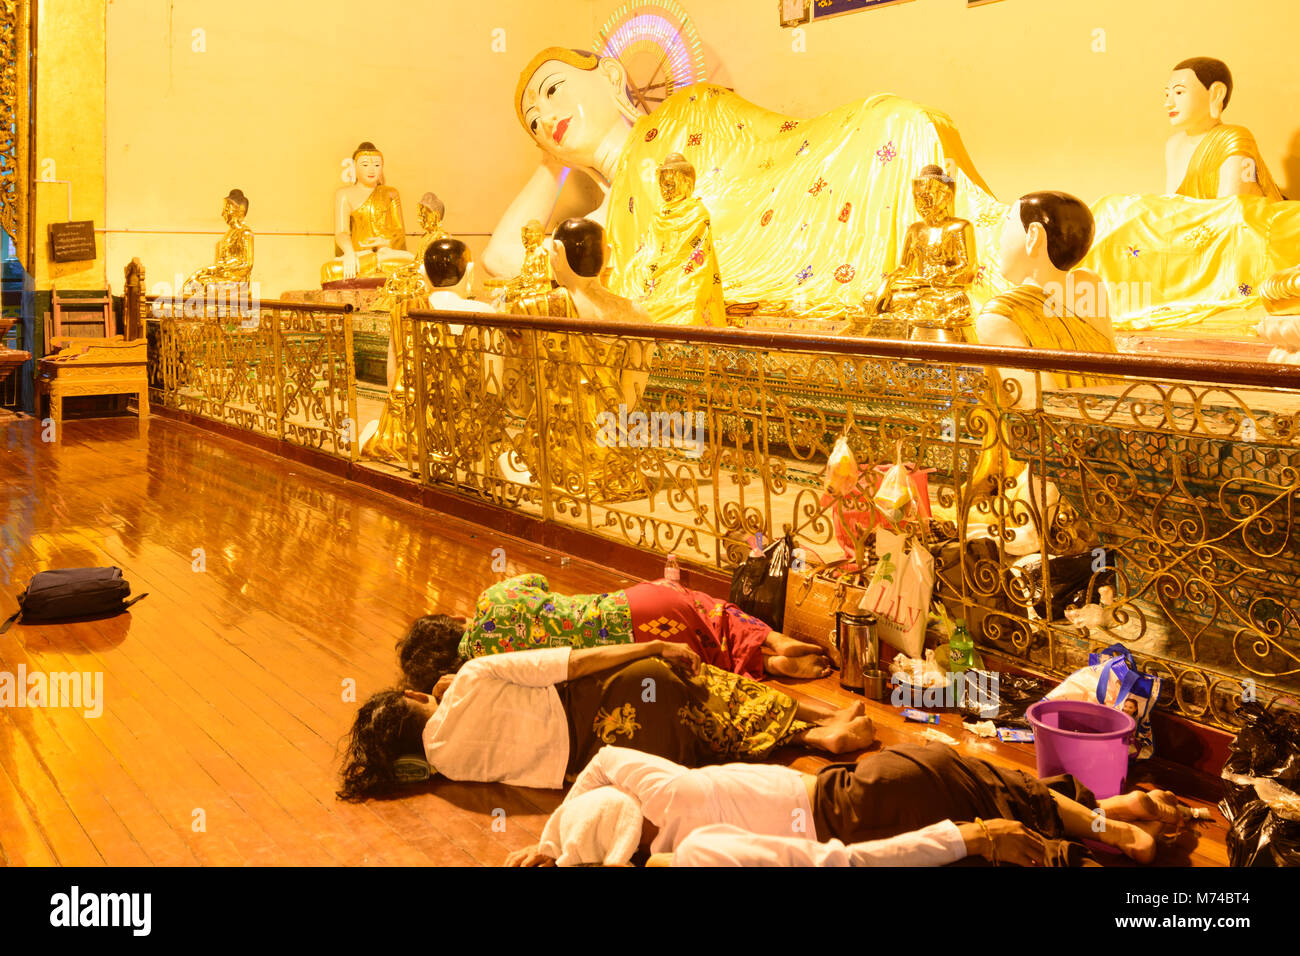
x: 758, y: 585
x: 1070, y: 575
x: 1264, y: 756
x: 1015, y: 693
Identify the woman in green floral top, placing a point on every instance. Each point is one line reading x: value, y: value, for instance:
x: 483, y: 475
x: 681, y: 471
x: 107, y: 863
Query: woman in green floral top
x: 522, y: 613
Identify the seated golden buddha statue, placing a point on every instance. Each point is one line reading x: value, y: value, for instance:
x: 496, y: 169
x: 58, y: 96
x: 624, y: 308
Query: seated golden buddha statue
x: 530, y: 292
x: 804, y: 214
x: 369, y: 234
x: 234, y: 262
x: 1200, y: 255
x: 676, y: 268
x: 928, y: 289
x: 1046, y: 235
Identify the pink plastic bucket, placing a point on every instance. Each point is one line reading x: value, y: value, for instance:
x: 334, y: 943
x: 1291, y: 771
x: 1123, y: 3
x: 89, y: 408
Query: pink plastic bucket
x: 1086, y: 740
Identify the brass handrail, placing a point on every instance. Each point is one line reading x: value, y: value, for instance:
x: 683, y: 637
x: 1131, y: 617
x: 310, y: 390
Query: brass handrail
x: 1201, y: 371
x: 283, y: 304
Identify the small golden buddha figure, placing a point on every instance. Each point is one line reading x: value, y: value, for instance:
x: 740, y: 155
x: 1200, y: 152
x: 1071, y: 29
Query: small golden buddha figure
x: 234, y: 262
x: 1206, y: 158
x: 677, y: 268
x: 410, y: 282
x: 431, y: 210
x: 369, y: 234
x: 449, y: 270
x: 530, y: 291
x: 1047, y: 234
x: 939, y: 262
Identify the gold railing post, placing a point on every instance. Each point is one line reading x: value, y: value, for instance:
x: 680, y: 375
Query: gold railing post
x: 419, y: 407
x: 542, y: 397
x: 350, y: 385
x: 277, y: 364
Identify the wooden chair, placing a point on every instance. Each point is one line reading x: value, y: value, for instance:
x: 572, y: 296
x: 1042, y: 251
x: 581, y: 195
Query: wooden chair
x: 94, y: 367
x: 89, y: 318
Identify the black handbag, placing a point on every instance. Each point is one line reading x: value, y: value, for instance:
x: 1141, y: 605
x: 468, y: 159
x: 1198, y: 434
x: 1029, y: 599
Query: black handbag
x: 758, y: 584
x: 72, y: 592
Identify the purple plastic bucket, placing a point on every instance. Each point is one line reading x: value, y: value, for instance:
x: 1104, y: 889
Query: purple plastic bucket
x: 1086, y: 740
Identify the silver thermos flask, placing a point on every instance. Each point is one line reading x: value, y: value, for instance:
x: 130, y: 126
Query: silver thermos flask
x: 855, y: 633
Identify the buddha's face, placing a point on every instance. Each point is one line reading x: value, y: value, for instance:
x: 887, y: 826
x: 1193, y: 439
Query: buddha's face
x: 675, y: 184
x: 370, y: 167
x: 1187, y: 101
x: 569, y: 111
x: 532, y: 234
x: 230, y: 211
x: 933, y: 199
x: 429, y: 219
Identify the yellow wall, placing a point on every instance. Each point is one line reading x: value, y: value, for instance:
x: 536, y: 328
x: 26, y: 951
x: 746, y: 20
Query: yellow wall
x: 285, y: 91
x: 1037, y: 108
x: 70, y: 132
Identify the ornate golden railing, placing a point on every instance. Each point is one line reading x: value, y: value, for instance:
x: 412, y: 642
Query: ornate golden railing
x: 1177, y: 481
x: 15, y: 125
x: 284, y: 370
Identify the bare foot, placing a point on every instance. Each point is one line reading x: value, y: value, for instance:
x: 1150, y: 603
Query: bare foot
x: 855, y: 709
x: 842, y: 736
x: 1134, y: 840
x: 804, y: 667
x: 1137, y: 805
x: 786, y: 646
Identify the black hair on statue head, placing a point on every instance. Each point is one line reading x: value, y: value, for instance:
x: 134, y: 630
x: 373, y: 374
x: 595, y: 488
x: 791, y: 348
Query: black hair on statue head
x: 386, y: 727
x: 446, y: 262
x: 1210, y: 71
x: 430, y: 649
x: 584, y: 245
x: 1066, y: 219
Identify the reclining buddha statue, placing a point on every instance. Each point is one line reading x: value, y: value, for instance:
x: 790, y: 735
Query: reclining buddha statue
x: 805, y: 215
x: 1198, y: 256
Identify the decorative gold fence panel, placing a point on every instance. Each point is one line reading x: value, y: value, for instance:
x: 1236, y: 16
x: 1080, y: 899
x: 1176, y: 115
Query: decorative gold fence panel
x: 1170, y: 490
x: 285, y: 371
x: 15, y: 125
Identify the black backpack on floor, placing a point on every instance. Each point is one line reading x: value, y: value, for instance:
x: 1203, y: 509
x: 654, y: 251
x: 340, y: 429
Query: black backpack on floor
x: 72, y: 592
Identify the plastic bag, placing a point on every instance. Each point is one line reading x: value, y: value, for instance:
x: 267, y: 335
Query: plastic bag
x: 895, y: 495
x: 899, y: 592
x: 1112, y: 678
x: 841, y: 469
x: 1262, y: 789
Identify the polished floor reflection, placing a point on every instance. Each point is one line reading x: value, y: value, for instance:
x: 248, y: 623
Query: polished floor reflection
x: 275, y: 596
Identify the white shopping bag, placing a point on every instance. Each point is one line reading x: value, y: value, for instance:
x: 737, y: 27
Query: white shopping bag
x: 899, y: 592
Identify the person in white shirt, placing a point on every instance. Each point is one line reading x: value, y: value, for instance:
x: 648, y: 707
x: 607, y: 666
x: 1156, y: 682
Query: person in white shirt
x: 773, y: 815
x: 533, y: 718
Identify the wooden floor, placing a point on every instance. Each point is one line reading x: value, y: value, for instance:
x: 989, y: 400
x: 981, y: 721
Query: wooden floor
x: 274, y: 590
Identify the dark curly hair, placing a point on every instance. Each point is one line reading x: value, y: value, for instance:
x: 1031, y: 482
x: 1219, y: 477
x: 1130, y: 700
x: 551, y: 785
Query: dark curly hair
x: 386, y: 727
x: 430, y: 649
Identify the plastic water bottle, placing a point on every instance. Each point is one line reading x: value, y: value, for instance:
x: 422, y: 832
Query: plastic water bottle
x: 961, y: 649
x: 672, y: 573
